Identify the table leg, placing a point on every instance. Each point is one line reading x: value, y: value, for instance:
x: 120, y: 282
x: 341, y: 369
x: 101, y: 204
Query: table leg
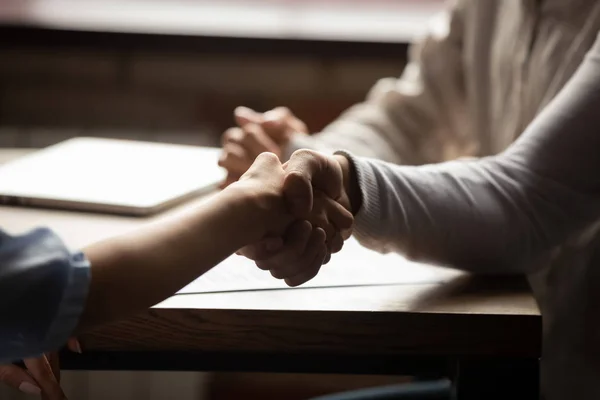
x: 491, y: 379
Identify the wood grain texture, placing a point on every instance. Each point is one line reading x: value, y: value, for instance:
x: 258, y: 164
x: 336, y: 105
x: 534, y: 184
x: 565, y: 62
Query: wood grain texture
x: 469, y: 316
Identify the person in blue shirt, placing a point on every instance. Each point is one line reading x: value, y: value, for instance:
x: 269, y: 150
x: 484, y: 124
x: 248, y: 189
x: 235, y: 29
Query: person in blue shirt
x: 49, y: 293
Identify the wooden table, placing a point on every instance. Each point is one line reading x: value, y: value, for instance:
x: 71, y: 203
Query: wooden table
x: 482, y: 330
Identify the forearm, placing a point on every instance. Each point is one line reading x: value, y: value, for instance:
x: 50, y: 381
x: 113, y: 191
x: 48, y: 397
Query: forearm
x: 133, y: 272
x: 475, y: 216
x: 500, y: 214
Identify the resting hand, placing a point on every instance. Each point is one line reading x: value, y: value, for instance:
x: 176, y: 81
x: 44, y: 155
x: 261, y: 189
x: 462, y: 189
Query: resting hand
x: 256, y: 133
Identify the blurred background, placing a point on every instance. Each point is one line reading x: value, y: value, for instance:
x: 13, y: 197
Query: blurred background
x: 173, y: 71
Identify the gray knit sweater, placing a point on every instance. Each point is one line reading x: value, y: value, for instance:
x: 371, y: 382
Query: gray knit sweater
x: 533, y: 209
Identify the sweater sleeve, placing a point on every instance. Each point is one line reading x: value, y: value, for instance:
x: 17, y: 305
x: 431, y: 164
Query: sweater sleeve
x: 402, y: 117
x: 504, y: 213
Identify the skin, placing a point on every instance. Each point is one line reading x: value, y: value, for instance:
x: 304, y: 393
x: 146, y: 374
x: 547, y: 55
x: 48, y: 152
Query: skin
x: 167, y: 255
x: 257, y: 133
x: 308, y: 174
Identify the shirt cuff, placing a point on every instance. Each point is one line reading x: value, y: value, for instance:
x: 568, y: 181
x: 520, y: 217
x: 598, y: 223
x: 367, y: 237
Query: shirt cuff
x: 367, y: 221
x: 43, y: 289
x: 72, y: 303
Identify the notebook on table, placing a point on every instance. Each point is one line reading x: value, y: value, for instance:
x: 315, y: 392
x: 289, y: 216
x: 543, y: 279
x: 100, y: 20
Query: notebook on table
x: 112, y: 176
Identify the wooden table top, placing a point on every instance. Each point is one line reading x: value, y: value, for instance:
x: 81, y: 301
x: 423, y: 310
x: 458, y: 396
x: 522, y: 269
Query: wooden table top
x: 468, y: 316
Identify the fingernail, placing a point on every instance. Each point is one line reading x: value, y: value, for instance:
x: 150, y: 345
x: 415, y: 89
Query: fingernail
x: 30, y: 388
x: 244, y: 111
x: 77, y: 347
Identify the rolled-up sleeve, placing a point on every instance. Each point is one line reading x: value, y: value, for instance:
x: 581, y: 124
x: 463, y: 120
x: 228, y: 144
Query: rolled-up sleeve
x: 43, y: 289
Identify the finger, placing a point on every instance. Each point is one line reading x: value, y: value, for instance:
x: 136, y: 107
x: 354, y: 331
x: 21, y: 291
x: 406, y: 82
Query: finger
x: 281, y: 122
x: 338, y: 215
x: 41, y: 371
x: 336, y: 243
x: 327, y: 258
x: 232, y: 135
x: 319, y: 216
x: 305, y: 169
x: 231, y: 178
x: 271, y: 250
x: 256, y: 141
x: 234, y: 159
x: 74, y: 345
x: 265, y: 164
x: 54, y: 364
x: 245, y: 115
x: 19, y: 379
x: 294, y: 244
x: 346, y: 233
x: 297, y: 260
x: 264, y: 249
x: 311, y: 270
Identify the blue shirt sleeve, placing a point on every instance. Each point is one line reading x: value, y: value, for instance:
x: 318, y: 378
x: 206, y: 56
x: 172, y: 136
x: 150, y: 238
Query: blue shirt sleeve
x: 43, y: 289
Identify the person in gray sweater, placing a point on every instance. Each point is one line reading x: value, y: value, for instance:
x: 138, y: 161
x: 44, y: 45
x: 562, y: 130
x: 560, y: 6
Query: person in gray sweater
x: 533, y: 209
x: 472, y: 84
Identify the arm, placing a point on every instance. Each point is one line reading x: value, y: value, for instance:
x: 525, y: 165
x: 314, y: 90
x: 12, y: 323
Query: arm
x: 46, y: 291
x: 499, y: 214
x: 408, y: 120
x: 133, y: 272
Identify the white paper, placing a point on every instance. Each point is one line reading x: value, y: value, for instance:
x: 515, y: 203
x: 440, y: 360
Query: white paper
x: 353, y: 266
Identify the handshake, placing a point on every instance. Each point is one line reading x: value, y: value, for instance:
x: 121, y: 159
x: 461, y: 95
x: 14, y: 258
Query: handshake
x: 305, y: 212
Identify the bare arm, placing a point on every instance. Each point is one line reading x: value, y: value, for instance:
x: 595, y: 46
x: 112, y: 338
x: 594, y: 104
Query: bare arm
x: 135, y: 271
x: 46, y: 292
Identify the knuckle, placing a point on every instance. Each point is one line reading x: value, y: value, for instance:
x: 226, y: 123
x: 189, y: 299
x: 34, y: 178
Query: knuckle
x: 231, y: 135
x: 268, y: 157
x: 262, y: 265
x: 277, y: 274
x: 283, y: 111
x: 293, y: 282
x: 347, y: 221
x: 304, y: 153
x: 253, y: 132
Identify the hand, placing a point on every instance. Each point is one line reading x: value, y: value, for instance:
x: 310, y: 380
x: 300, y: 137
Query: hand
x: 298, y: 255
x: 41, y: 376
x: 309, y: 177
x: 261, y: 187
x: 256, y: 133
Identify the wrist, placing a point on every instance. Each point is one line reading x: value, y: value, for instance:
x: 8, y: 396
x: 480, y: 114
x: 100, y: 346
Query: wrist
x: 253, y: 209
x: 351, y: 187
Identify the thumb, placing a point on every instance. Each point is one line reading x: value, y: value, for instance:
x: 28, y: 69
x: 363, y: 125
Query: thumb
x: 245, y: 115
x: 306, y: 170
x: 298, y: 193
x: 19, y: 379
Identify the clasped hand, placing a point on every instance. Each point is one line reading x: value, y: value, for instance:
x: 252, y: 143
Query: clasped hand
x: 315, y: 194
